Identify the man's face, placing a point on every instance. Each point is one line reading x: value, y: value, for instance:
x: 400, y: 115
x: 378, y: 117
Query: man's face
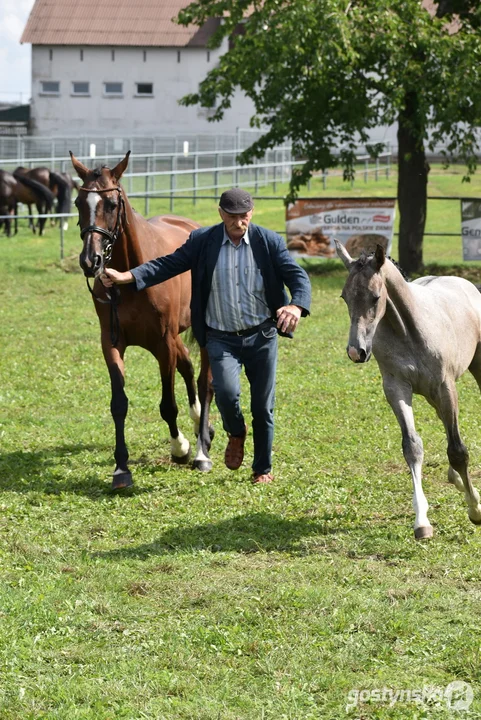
x: 236, y: 225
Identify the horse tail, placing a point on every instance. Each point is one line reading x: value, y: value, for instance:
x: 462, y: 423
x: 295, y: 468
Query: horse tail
x: 43, y: 192
x: 64, y: 192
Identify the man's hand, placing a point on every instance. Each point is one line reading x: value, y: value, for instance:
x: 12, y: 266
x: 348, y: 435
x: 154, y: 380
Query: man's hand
x: 111, y: 277
x: 288, y: 318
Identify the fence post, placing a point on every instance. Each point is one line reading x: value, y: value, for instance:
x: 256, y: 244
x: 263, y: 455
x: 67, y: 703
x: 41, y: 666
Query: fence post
x: 366, y: 166
x: 216, y: 174
x: 61, y: 222
x: 274, y: 183
x: 147, y: 183
x: 196, y: 167
x: 324, y: 179
x: 377, y: 168
x: 172, y: 182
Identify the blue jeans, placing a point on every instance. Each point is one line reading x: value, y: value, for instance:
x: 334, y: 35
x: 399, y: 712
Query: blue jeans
x: 258, y: 354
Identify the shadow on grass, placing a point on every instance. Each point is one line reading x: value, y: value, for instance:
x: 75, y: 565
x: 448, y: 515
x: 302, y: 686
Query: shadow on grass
x: 251, y: 533
x: 48, y: 471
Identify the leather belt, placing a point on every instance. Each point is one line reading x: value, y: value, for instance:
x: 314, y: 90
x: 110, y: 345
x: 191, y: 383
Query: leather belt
x: 247, y: 331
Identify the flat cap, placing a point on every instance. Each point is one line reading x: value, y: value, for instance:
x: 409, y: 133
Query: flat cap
x: 236, y: 201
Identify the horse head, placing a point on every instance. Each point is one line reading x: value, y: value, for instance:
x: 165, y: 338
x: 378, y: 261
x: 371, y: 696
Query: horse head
x: 100, y: 205
x: 365, y: 295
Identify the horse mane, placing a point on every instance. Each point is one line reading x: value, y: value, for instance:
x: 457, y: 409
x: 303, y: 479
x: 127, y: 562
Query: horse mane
x: 364, y: 258
x: 97, y: 172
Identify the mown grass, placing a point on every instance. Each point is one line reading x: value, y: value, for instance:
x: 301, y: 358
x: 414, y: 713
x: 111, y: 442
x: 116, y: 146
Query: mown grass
x: 199, y: 596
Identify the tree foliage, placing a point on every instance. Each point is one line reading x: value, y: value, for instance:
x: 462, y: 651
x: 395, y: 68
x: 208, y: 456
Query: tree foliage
x: 324, y: 73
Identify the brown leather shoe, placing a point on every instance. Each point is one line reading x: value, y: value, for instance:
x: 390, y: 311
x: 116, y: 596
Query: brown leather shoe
x: 262, y: 478
x: 234, y: 452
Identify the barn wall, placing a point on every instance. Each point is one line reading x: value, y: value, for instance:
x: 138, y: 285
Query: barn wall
x: 67, y: 114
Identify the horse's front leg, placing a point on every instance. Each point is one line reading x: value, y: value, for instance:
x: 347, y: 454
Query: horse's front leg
x: 205, y: 435
x: 31, y: 221
x: 114, y: 357
x: 399, y: 395
x: 167, y: 357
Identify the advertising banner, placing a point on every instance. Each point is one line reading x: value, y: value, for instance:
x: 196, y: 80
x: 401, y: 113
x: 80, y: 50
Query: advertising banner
x: 471, y: 229
x: 358, y: 223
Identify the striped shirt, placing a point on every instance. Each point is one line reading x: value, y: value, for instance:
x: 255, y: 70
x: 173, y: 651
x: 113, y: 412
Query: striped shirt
x: 237, y: 299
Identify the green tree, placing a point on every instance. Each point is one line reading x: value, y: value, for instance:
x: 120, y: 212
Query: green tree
x: 323, y: 73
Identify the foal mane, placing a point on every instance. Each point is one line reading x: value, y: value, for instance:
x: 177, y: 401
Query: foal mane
x: 365, y: 258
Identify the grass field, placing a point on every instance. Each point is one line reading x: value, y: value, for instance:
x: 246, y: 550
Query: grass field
x: 198, y: 596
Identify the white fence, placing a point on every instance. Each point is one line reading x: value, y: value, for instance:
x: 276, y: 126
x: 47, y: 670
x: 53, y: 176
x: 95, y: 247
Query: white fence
x: 198, y: 175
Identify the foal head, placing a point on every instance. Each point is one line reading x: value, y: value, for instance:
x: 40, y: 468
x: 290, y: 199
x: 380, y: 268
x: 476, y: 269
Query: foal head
x: 100, y: 205
x: 365, y: 295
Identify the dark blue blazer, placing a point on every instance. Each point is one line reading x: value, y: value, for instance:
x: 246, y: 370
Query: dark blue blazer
x: 199, y: 255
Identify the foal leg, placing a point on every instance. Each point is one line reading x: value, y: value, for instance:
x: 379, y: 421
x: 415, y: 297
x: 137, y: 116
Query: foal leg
x: 167, y: 357
x: 114, y: 358
x: 447, y: 408
x: 399, y: 396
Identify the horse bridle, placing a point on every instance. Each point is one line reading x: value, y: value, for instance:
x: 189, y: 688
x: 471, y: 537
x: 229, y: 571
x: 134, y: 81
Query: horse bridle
x: 107, y: 249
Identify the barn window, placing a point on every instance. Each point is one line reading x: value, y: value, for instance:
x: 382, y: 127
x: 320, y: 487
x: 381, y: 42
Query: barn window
x: 50, y: 54
x: 145, y: 89
x: 178, y: 55
x: 112, y: 54
x: 80, y: 88
x: 113, y: 88
x: 208, y: 55
x: 50, y: 87
x: 81, y: 56
x: 145, y: 55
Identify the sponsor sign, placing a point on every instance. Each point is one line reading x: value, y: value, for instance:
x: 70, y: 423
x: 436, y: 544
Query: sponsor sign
x: 359, y: 223
x: 471, y: 229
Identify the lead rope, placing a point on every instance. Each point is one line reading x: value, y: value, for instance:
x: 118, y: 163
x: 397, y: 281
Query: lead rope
x: 113, y: 297
x: 113, y: 301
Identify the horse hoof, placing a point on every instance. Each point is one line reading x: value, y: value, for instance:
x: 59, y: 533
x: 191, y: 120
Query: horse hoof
x: 182, y: 459
x: 202, y: 465
x: 121, y: 480
x: 423, y: 533
x: 475, y: 521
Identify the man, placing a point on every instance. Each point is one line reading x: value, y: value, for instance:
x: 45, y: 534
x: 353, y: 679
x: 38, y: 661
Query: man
x: 239, y: 305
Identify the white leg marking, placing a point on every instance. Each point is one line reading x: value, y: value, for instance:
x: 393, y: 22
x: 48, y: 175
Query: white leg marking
x: 194, y: 413
x: 200, y: 455
x: 420, y: 504
x: 179, y: 446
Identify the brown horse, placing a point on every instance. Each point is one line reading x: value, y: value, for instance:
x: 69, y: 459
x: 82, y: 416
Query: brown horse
x: 29, y: 191
x: 60, y: 184
x: 8, y: 201
x: 152, y: 319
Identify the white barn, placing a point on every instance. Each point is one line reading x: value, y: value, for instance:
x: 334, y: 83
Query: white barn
x: 119, y: 67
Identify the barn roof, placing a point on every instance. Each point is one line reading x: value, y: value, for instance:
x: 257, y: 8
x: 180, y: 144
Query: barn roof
x: 112, y: 22
x: 139, y: 23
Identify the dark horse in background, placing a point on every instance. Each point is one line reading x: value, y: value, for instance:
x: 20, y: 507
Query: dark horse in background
x: 60, y: 184
x: 152, y: 319
x: 16, y: 188
x: 8, y: 200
